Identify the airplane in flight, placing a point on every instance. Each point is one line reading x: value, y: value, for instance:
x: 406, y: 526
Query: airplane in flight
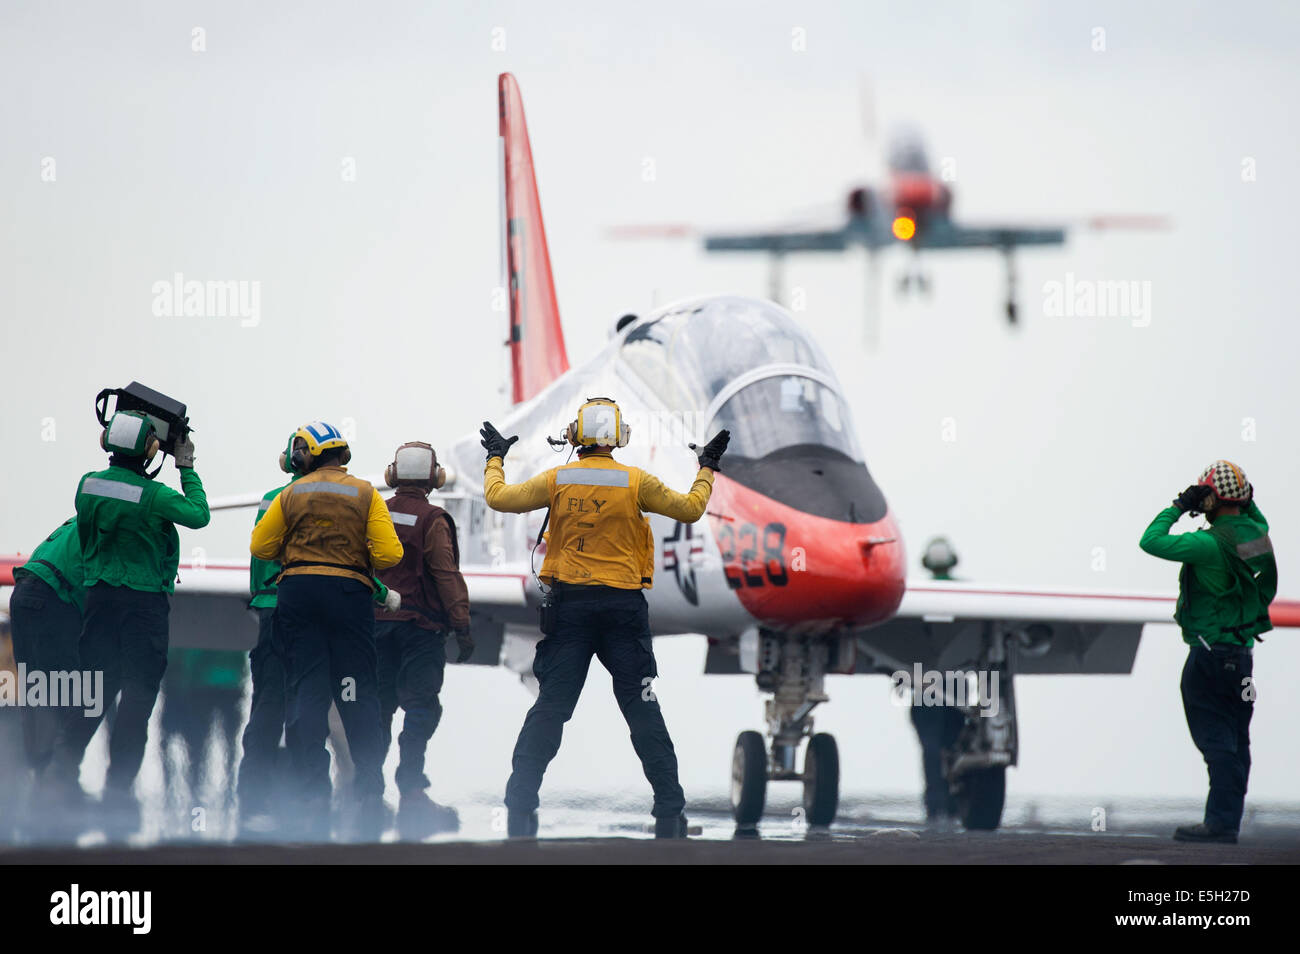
x: 798, y: 570
x: 911, y: 208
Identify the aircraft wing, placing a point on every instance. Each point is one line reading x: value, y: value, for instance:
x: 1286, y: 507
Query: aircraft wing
x: 817, y: 240
x: 935, y: 235
x: 209, y: 609
x: 945, y: 234
x: 1059, y: 630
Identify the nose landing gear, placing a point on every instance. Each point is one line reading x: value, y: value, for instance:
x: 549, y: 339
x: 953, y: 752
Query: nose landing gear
x: 793, y: 670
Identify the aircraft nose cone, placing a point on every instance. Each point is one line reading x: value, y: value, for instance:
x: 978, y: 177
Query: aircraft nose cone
x: 802, y: 570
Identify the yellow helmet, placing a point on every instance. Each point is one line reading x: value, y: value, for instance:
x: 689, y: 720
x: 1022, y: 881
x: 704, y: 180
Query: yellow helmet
x: 599, y: 421
x: 319, y: 437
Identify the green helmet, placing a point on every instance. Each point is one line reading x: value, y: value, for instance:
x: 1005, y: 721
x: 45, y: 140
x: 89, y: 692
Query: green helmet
x: 131, y: 434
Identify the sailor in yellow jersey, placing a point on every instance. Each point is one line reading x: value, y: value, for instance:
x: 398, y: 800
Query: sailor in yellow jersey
x: 599, y: 557
x: 330, y: 532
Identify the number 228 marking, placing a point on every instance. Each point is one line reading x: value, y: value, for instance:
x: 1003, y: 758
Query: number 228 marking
x: 744, y: 568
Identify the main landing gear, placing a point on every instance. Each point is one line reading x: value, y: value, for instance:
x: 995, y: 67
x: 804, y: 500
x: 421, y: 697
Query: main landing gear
x: 793, y: 670
x: 976, y: 765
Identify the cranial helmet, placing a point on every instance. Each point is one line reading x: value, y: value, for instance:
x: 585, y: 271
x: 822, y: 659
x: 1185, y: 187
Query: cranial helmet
x: 939, y: 556
x: 1228, y: 481
x: 131, y: 434
x: 599, y: 421
x: 318, y: 437
x: 415, y: 465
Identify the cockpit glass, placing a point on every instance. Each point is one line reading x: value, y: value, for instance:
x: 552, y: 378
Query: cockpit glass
x: 688, y: 356
x: 786, y: 411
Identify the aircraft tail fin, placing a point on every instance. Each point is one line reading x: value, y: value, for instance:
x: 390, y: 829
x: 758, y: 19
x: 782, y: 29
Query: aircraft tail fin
x: 537, y: 352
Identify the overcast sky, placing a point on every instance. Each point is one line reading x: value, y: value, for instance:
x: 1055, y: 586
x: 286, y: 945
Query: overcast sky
x: 129, y: 156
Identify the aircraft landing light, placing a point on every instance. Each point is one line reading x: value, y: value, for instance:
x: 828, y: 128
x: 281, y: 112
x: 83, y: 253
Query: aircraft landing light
x: 904, y: 228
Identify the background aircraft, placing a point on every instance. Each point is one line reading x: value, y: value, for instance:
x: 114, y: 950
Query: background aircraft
x: 798, y: 570
x: 910, y: 208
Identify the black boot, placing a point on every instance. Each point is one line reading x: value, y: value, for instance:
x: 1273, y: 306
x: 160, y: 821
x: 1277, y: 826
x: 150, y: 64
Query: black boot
x: 521, y: 824
x: 1204, y: 833
x: 419, y: 816
x: 671, y: 827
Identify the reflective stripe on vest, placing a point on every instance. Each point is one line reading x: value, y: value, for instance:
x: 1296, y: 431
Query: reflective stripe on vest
x: 102, y: 487
x: 321, y: 487
x: 404, y: 519
x: 592, y: 477
x: 1254, y: 548
x: 264, y: 506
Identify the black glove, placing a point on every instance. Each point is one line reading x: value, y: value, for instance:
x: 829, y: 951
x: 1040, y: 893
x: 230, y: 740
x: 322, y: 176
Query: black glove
x: 466, y: 643
x: 494, y: 443
x: 711, y: 455
x: 1193, y: 498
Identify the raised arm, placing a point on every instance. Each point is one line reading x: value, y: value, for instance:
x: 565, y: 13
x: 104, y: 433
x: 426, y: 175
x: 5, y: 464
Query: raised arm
x: 654, y: 497
x: 188, y: 509
x: 515, y: 498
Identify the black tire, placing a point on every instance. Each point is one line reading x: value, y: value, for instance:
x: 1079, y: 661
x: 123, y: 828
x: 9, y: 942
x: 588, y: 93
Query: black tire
x: 980, y: 797
x: 748, y: 779
x: 821, y: 779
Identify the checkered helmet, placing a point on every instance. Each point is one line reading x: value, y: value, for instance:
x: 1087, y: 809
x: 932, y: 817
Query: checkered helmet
x: 1227, y: 480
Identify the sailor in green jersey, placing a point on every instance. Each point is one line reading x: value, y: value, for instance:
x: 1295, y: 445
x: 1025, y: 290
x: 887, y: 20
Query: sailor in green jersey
x: 130, y: 551
x: 45, y: 613
x: 1227, y: 581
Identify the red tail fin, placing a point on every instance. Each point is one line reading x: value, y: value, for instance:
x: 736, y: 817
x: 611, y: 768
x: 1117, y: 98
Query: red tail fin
x: 537, y: 354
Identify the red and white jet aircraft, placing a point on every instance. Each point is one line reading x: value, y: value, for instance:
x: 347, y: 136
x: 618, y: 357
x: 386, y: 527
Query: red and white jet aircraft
x: 798, y: 569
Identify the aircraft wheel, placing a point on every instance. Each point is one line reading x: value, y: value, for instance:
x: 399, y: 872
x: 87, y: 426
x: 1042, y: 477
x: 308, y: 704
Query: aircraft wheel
x: 821, y: 779
x: 748, y: 779
x: 981, y: 796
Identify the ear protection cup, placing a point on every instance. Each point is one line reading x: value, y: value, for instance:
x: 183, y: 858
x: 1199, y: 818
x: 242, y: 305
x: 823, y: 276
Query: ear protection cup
x: 347, y: 456
x: 571, y: 432
x: 390, y: 476
x: 151, y: 451
x: 439, y: 476
x: 300, y: 461
x: 103, y: 439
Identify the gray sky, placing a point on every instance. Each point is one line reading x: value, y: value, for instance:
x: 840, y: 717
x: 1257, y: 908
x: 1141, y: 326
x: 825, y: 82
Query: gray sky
x: 226, y: 164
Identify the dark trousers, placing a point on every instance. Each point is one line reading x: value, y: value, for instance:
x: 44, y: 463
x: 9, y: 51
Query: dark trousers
x: 124, y: 636
x: 613, y: 625
x: 937, y: 728
x: 46, y: 631
x: 411, y: 665
x: 1218, y: 702
x: 265, y: 718
x: 327, y: 627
